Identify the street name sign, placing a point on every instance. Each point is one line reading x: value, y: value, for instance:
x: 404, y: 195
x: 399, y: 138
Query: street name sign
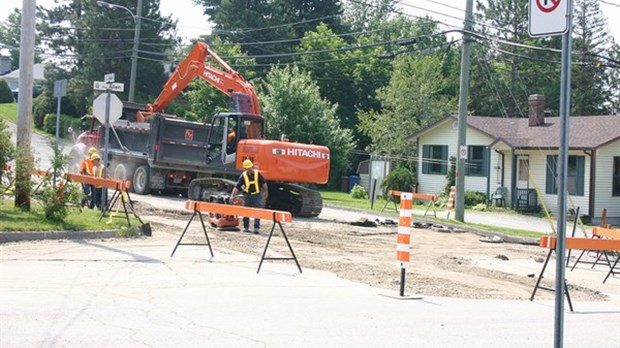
x: 104, y: 86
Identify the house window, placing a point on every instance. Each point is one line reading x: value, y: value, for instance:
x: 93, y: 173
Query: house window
x: 615, y: 190
x: 435, y: 159
x: 477, y: 161
x: 574, y: 175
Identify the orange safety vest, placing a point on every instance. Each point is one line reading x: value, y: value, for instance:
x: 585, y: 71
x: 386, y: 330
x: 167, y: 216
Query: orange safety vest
x: 86, y: 166
x: 99, y: 173
x: 248, y: 183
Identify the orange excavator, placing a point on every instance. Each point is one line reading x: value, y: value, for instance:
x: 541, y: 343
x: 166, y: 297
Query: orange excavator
x: 162, y: 152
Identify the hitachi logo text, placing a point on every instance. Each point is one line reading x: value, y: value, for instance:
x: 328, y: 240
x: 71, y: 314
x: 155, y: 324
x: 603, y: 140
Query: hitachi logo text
x: 305, y: 153
x: 212, y: 77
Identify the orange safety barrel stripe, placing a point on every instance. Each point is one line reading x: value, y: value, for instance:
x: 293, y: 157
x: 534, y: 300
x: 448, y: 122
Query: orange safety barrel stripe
x: 582, y: 243
x: 236, y: 210
x: 450, y: 204
x: 404, y: 230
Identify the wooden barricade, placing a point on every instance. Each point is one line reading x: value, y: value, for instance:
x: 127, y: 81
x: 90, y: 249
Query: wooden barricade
x: 120, y: 188
x: 600, y: 244
x: 604, y: 235
x: 432, y: 200
x: 276, y: 216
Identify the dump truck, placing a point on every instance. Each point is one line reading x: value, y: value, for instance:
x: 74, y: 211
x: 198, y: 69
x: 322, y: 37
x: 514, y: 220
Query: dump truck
x: 202, y: 161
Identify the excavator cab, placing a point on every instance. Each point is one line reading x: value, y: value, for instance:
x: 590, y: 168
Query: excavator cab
x: 227, y: 130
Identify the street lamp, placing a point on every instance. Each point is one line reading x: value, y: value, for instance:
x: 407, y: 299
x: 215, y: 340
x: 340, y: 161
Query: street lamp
x: 136, y: 38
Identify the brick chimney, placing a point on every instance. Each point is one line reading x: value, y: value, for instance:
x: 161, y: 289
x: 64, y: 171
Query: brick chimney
x: 537, y: 110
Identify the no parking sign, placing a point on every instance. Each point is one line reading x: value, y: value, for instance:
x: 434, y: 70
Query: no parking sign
x: 548, y: 17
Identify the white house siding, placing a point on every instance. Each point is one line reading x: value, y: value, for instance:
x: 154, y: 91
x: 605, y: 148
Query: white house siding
x: 538, y: 170
x: 446, y: 134
x: 604, y: 168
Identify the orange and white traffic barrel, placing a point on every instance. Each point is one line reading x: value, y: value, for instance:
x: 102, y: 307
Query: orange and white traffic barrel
x: 450, y: 204
x: 404, y: 229
x: 403, y: 236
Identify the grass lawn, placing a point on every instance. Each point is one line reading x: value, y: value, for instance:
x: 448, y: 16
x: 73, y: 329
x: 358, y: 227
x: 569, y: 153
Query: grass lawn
x: 8, y: 111
x: 343, y: 199
x: 14, y: 219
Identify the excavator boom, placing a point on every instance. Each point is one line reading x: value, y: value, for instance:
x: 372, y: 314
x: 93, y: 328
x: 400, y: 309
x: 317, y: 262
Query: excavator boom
x: 228, y: 81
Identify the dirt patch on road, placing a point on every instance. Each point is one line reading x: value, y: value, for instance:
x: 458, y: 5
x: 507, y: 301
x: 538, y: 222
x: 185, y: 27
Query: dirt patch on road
x: 442, y: 264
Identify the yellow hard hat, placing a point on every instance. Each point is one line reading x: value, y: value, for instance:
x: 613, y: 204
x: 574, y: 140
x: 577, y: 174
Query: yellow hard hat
x: 92, y: 150
x: 95, y: 156
x: 247, y: 164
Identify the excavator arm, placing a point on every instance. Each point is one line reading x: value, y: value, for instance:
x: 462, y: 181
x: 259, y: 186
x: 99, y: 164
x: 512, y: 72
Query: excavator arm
x: 228, y: 81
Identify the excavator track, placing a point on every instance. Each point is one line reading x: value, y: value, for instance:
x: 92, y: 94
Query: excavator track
x: 210, y: 189
x: 300, y: 201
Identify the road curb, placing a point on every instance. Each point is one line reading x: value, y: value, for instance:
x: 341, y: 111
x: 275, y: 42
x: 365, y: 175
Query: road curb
x: 20, y: 236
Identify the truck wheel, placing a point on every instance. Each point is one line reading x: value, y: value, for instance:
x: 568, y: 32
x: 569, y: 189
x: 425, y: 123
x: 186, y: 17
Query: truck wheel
x: 141, y: 183
x: 121, y: 172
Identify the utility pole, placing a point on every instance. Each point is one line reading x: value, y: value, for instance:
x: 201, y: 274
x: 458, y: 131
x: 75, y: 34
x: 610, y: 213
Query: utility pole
x: 24, y: 159
x: 134, y: 59
x: 459, y: 210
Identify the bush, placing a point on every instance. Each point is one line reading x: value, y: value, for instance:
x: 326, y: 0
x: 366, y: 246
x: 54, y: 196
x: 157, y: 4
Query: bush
x: 7, y: 149
x: 6, y: 95
x: 41, y: 106
x: 400, y: 179
x: 49, y: 124
x: 473, y: 198
x: 358, y: 192
x: 58, y: 195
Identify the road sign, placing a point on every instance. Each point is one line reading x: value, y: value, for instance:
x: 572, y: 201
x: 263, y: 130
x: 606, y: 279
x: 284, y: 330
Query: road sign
x: 116, y: 108
x: 108, y: 77
x: 104, y: 86
x: 60, y: 88
x: 463, y: 152
x: 548, y: 17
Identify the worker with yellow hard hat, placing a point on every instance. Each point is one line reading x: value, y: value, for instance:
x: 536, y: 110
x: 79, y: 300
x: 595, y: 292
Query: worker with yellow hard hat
x: 86, y: 168
x: 255, y: 192
x: 98, y: 172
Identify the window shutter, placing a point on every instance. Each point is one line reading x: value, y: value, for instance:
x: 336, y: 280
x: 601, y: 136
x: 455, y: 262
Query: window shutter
x: 550, y: 178
x: 580, y: 162
x: 425, y: 156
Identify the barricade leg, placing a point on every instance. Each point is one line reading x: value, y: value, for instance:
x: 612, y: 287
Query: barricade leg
x: 537, y: 286
x: 278, y: 258
x: 109, y: 204
x: 185, y: 230
x: 611, y: 269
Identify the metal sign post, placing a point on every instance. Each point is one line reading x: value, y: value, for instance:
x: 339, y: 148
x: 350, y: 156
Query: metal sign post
x: 554, y: 17
x: 112, y: 112
x: 60, y: 90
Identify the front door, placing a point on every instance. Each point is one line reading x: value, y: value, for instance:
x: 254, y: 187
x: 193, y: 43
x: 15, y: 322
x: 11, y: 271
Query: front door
x: 523, y: 168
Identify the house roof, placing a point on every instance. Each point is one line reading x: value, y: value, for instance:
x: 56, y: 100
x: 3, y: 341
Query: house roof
x: 37, y: 73
x: 585, y: 132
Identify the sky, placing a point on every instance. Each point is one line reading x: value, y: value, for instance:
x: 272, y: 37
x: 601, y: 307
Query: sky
x: 193, y: 24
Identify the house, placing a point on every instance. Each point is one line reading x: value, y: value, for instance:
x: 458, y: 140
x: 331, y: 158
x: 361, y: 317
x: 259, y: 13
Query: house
x: 12, y: 78
x: 520, y: 154
x: 5, y: 65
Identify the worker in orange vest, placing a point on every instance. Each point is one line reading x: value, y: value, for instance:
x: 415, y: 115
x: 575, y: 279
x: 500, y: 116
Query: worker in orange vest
x: 86, y: 168
x: 255, y: 192
x: 98, y: 172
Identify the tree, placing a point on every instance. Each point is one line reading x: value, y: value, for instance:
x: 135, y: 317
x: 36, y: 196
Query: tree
x: 368, y: 15
x: 589, y: 76
x: 292, y: 105
x: 413, y: 99
x: 10, y: 31
x: 75, y: 32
